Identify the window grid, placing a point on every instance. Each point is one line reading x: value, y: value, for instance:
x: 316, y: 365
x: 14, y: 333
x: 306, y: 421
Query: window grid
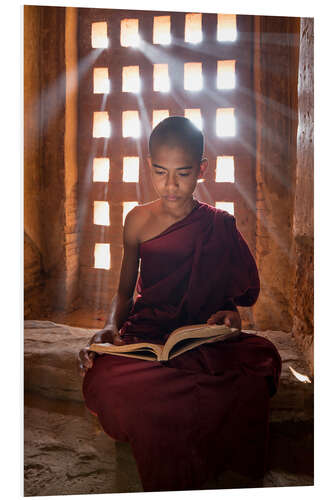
x: 221, y: 121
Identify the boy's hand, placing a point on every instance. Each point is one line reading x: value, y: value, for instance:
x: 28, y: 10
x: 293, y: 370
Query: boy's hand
x: 107, y: 335
x: 231, y: 319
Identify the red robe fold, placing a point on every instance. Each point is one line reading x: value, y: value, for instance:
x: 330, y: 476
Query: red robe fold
x: 196, y: 267
x: 206, y: 410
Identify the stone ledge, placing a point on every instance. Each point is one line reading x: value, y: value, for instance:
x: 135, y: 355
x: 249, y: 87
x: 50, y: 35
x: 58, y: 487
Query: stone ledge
x: 50, y: 367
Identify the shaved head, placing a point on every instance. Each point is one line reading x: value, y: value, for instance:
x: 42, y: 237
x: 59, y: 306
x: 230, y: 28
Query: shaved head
x: 178, y: 132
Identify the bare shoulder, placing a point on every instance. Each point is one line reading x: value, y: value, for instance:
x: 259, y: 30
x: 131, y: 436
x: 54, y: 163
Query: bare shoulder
x: 141, y: 213
x: 138, y: 218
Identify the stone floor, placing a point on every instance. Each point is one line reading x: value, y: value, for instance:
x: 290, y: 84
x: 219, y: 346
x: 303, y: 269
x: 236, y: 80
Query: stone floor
x: 66, y: 451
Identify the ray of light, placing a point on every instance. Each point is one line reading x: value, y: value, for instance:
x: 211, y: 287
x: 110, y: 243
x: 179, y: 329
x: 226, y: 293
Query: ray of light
x: 228, y: 206
x: 53, y: 97
x: 270, y: 134
x: 144, y: 118
x: 127, y: 207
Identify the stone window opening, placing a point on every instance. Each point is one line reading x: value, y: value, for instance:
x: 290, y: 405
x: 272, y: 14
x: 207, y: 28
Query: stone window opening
x: 148, y: 84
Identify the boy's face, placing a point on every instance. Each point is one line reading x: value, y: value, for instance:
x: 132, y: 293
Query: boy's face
x: 175, y: 173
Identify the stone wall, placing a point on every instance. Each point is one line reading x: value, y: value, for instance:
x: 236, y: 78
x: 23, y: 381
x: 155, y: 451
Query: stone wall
x: 50, y: 208
x: 303, y: 224
x: 275, y: 86
x: 34, y: 279
x: 71, y: 231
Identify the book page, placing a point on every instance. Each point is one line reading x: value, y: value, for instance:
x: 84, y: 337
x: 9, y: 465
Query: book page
x: 195, y: 332
x: 190, y: 343
x: 145, y: 355
x: 151, y: 350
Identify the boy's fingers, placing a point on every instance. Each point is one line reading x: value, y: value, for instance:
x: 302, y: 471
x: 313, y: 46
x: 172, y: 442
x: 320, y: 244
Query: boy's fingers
x: 90, y: 358
x: 214, y: 319
x: 224, y: 317
x: 117, y: 340
x: 86, y: 360
x: 219, y: 318
x: 227, y: 321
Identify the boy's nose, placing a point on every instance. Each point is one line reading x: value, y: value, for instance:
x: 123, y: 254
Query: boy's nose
x: 171, y: 181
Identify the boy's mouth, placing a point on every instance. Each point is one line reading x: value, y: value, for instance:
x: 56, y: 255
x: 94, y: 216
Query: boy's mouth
x: 171, y: 198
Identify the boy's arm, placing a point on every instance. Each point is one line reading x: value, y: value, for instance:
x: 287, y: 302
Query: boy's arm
x: 123, y: 300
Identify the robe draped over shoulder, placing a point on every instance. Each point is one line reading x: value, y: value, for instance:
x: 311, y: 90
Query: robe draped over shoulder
x: 206, y: 410
x: 196, y: 267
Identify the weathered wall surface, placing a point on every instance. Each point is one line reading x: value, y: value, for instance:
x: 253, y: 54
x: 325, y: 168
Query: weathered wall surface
x: 303, y: 227
x: 52, y: 54
x: 34, y: 280
x: 276, y: 69
x: 49, y: 194
x: 71, y: 231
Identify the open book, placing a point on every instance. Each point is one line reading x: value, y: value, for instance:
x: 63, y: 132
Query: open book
x: 180, y: 340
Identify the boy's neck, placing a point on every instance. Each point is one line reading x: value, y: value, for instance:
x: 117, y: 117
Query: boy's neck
x: 178, y: 212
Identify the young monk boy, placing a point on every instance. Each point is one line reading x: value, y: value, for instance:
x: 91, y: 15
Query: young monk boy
x: 206, y: 410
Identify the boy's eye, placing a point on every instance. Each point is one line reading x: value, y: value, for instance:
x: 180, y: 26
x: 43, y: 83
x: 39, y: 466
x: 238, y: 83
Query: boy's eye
x: 159, y: 172
x: 184, y: 175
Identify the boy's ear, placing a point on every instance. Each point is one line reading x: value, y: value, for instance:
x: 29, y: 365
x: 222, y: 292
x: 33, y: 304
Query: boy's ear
x: 149, y: 162
x: 203, y: 167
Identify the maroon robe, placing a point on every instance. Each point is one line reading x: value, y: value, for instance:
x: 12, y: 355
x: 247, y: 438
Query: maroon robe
x: 206, y: 410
